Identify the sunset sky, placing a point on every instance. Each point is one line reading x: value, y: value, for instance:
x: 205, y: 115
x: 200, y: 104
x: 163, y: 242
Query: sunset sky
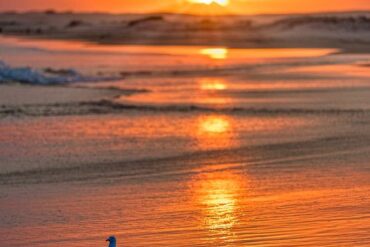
x: 230, y: 6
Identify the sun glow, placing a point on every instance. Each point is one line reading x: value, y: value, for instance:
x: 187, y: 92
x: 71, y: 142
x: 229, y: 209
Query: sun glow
x: 213, y: 84
x: 215, y: 53
x: 219, y: 193
x: 215, y: 124
x: 209, y: 2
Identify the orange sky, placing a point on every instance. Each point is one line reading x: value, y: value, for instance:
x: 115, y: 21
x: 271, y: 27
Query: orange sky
x: 236, y: 6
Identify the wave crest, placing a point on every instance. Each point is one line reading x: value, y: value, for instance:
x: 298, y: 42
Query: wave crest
x: 46, y: 76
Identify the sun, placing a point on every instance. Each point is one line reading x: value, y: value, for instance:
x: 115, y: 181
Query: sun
x: 209, y: 2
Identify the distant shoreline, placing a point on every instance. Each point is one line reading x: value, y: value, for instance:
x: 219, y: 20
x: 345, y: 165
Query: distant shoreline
x: 346, y: 31
x: 69, y: 12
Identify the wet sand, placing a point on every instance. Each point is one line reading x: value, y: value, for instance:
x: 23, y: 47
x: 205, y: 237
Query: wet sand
x: 12, y: 94
x: 213, y: 147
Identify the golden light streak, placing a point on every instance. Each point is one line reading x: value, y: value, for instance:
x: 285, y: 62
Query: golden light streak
x: 220, y: 193
x: 215, y: 53
x: 215, y: 124
x: 212, y: 84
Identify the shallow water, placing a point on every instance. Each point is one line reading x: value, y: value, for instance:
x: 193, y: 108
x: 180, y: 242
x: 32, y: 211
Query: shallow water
x: 218, y: 147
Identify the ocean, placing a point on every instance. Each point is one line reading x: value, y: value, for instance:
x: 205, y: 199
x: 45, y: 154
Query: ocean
x: 196, y: 146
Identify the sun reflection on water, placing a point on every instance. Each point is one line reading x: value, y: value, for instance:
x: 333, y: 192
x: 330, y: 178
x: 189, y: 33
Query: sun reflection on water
x: 217, y: 192
x: 213, y: 84
x: 214, y: 124
x: 219, y: 195
x: 215, y: 53
x: 220, y: 206
x: 215, y: 132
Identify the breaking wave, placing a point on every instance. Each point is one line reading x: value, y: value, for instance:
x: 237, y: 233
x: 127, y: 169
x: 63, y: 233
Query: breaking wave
x: 47, y: 76
x: 110, y: 107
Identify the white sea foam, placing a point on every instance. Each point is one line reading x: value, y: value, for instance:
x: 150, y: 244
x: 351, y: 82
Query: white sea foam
x: 45, y: 76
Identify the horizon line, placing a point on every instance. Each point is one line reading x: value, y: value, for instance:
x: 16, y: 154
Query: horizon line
x: 53, y: 11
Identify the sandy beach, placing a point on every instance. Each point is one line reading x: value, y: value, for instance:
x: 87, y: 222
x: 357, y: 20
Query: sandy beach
x: 161, y: 137
x: 347, y: 30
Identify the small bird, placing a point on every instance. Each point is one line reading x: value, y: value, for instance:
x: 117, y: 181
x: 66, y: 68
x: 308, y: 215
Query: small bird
x: 112, y: 241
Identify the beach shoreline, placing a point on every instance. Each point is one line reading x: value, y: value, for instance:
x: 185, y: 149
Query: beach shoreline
x: 345, y: 31
x: 179, y: 145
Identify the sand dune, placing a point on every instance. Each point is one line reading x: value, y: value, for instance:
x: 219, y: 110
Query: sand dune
x: 339, y: 30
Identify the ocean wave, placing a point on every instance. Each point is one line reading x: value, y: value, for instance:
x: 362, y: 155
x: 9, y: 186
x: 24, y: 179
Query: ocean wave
x: 246, y: 110
x: 111, y: 107
x: 284, y: 155
x: 47, y: 76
